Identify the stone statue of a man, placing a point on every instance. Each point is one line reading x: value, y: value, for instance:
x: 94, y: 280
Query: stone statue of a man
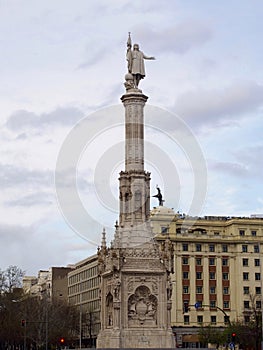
x: 135, y: 60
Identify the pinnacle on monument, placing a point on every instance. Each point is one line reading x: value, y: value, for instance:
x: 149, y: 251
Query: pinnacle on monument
x: 103, y: 239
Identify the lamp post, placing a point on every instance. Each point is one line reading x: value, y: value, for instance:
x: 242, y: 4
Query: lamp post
x: 261, y: 287
x: 23, y: 322
x: 80, y: 313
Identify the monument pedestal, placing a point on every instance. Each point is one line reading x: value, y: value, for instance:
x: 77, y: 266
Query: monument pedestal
x: 135, y: 297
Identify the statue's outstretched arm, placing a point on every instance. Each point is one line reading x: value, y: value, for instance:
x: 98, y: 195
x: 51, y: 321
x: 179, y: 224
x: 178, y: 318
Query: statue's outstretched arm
x: 148, y: 57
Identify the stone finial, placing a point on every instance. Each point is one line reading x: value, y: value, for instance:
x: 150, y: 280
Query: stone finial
x: 103, y: 239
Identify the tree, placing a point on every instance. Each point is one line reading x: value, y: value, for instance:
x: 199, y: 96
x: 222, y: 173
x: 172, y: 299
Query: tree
x: 45, y: 320
x: 210, y: 334
x: 10, y: 278
x: 14, y: 277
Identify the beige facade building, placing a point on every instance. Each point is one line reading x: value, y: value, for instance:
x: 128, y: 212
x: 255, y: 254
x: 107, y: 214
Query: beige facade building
x: 51, y: 283
x: 217, y: 264
x: 217, y: 269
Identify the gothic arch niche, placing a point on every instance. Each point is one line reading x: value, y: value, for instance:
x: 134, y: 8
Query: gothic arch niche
x: 109, y: 310
x: 142, y: 308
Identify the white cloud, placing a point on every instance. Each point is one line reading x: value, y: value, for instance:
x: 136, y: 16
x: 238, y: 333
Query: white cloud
x: 23, y: 120
x: 210, y: 74
x: 220, y: 106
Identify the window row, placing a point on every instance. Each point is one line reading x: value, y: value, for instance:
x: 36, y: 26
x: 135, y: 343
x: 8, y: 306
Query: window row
x: 248, y: 306
x: 211, y: 261
x: 245, y: 248
x: 86, y: 274
x: 252, y: 232
x: 245, y: 262
x: 199, y: 275
x: 246, y: 276
x: 247, y: 291
x: 224, y: 248
x: 212, y: 290
x: 199, y: 319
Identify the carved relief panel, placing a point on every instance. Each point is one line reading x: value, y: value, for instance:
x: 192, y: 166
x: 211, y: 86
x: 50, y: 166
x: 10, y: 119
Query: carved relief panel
x: 142, y: 308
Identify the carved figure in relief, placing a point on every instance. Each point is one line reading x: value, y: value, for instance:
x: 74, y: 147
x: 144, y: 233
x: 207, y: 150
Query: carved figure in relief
x: 116, y: 286
x: 109, y: 309
x: 169, y: 288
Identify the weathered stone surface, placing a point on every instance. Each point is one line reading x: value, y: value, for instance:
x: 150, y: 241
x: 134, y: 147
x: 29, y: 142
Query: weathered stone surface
x: 135, y: 272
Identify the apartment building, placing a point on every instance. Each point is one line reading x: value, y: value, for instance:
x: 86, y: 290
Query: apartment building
x: 217, y: 269
x: 51, y: 283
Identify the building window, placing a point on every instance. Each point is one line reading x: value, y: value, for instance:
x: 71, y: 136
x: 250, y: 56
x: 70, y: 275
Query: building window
x: 225, y: 290
x: 198, y: 261
x: 225, y: 262
x: 242, y: 232
x: 211, y: 261
x: 199, y: 319
x: 216, y: 233
x: 225, y: 276
x: 211, y: 247
x: 256, y: 248
x: 200, y: 304
x: 253, y: 233
x: 246, y: 290
x: 212, y: 290
x: 257, y: 276
x: 224, y: 248
x: 212, y: 275
x: 185, y: 289
x: 185, y: 275
x: 244, y: 248
x: 258, y: 290
x: 185, y: 247
x: 199, y: 290
x: 164, y: 230
x: 226, y: 305
x: 246, y: 304
x: 245, y: 262
x: 226, y: 320
x: 258, y: 304
x: 213, y: 319
x: 257, y: 262
x: 198, y: 247
x: 246, y: 319
x: 212, y: 304
x: 185, y: 261
x: 186, y: 319
x: 198, y: 275
x: 245, y: 276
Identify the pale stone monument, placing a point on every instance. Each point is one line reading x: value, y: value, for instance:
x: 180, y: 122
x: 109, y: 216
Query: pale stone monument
x: 135, y: 271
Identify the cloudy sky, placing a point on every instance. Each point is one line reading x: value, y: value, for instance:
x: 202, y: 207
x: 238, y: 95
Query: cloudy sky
x: 62, y: 68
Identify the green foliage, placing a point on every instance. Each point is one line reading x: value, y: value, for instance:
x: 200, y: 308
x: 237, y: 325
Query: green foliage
x: 210, y: 334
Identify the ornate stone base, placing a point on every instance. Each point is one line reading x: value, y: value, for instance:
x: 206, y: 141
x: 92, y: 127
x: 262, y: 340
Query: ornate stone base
x: 136, y: 339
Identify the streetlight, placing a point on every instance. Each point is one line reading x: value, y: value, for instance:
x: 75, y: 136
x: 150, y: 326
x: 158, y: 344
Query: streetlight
x: 23, y: 322
x: 261, y: 287
x: 80, y: 312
